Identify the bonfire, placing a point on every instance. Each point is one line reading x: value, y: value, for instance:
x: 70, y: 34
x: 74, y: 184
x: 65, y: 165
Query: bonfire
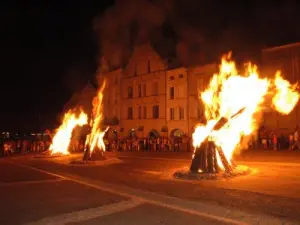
x: 94, y: 141
x: 233, y: 106
x: 94, y: 145
x: 62, y: 138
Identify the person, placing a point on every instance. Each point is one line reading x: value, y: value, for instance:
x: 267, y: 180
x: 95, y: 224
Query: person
x: 291, y: 141
x: 296, y: 140
x: 274, y: 142
x: 6, y: 149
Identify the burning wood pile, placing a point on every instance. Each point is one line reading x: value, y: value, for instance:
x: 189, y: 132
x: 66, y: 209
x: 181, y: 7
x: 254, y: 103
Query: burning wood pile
x: 233, y: 107
x: 205, y: 157
x: 94, y: 145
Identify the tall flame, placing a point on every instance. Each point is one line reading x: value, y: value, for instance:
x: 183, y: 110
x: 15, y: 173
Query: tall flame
x: 229, y: 92
x: 95, y: 138
x: 62, y: 138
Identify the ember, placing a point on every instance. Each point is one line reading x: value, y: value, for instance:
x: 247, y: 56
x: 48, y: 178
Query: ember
x: 232, y: 107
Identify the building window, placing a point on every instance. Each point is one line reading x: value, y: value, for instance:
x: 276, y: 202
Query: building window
x: 172, y: 114
x: 172, y: 92
x: 144, y: 90
x: 130, y: 92
x: 155, y: 112
x: 172, y: 78
x: 130, y: 113
x: 140, y: 112
x: 155, y: 88
x: 181, y: 113
x: 140, y: 90
x: 180, y: 76
x: 145, y: 112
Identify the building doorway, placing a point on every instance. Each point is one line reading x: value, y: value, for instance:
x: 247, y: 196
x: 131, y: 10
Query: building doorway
x: 153, y: 134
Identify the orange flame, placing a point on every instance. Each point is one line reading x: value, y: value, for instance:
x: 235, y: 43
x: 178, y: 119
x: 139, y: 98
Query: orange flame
x: 62, y: 138
x: 95, y: 138
x: 286, y: 96
x: 229, y: 92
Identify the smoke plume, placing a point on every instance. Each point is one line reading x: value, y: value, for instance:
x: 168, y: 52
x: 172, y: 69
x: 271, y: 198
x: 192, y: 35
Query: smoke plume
x: 191, y: 31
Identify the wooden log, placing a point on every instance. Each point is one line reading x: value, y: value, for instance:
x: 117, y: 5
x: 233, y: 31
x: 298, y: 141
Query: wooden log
x: 216, y: 166
x: 210, y: 160
x: 86, y: 153
x: 197, y: 162
x: 200, y: 158
x: 224, y: 161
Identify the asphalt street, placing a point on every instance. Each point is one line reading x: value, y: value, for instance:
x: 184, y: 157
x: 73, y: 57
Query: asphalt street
x: 138, y: 188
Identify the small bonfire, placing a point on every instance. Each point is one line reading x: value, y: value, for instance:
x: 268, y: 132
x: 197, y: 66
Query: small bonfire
x: 62, y: 138
x: 233, y: 106
x: 94, y: 144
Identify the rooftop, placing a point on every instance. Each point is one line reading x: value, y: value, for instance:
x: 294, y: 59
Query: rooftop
x: 275, y: 48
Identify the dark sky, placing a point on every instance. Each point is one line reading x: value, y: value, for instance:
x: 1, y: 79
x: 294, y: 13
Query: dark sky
x: 48, y: 50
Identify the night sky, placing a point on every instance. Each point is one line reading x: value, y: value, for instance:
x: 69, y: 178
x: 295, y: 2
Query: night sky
x: 49, y: 51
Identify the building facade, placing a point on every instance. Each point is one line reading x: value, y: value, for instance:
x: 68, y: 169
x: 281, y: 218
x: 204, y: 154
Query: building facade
x: 143, y: 93
x: 154, y: 100
x: 287, y: 59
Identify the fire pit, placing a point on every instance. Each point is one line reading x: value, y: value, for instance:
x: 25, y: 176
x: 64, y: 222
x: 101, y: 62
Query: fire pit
x: 209, y: 161
x: 233, y: 105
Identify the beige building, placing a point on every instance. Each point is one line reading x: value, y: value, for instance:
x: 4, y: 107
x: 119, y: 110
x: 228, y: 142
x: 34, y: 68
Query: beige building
x: 152, y: 97
x: 287, y: 59
x: 177, y: 101
x: 143, y: 93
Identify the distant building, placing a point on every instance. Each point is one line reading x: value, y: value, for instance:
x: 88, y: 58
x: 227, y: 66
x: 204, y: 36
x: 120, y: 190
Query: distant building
x: 287, y: 59
x: 150, y: 97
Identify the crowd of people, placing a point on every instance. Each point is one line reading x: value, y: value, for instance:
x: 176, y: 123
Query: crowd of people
x: 10, y: 146
x: 265, y: 140
x: 269, y: 140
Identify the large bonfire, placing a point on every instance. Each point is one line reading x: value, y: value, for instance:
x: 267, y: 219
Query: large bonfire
x: 94, y: 140
x: 62, y: 138
x: 238, y: 100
